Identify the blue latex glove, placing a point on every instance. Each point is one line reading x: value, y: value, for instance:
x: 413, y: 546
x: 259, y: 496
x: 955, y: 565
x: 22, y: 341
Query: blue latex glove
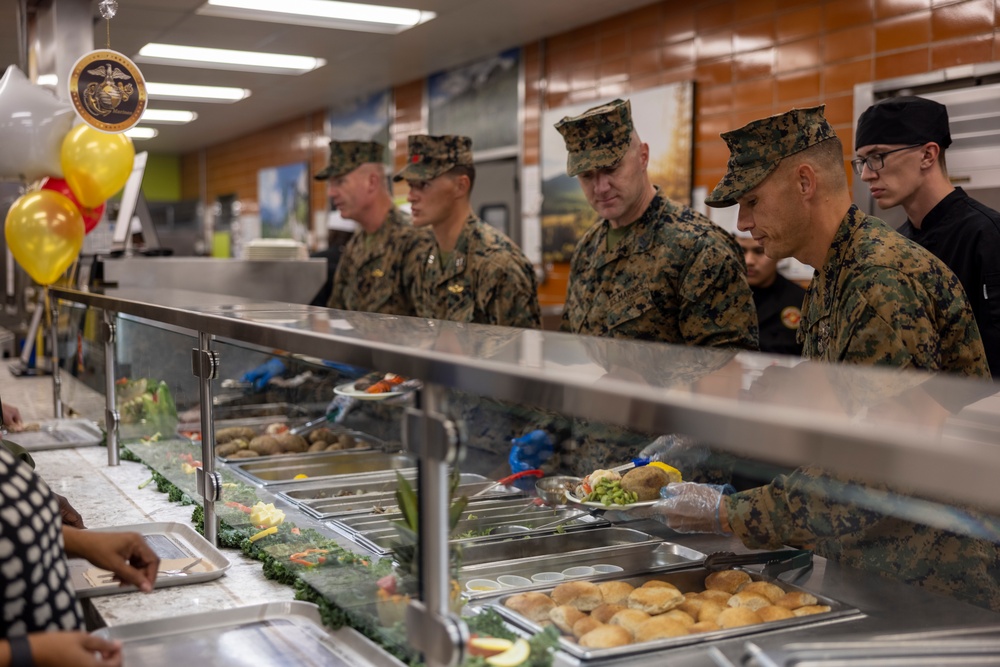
x: 346, y: 369
x: 261, y: 375
x: 530, y: 451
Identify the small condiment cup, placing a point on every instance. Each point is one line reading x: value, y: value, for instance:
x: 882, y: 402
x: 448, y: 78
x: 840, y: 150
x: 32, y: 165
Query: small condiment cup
x: 606, y: 568
x: 513, y: 581
x: 481, y: 585
x: 547, y: 577
x: 578, y: 571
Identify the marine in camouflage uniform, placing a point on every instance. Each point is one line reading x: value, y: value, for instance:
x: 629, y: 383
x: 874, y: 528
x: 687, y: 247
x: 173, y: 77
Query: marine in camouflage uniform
x: 372, y: 273
x: 484, y: 278
x: 674, y: 277
x: 877, y: 300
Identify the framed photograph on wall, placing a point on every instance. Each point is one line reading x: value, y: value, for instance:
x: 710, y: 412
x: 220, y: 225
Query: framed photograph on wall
x: 283, y: 197
x: 363, y: 119
x: 479, y: 101
x: 662, y: 116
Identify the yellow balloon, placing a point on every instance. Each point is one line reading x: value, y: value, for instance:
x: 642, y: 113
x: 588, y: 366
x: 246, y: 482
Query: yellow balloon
x: 96, y: 164
x: 44, y: 231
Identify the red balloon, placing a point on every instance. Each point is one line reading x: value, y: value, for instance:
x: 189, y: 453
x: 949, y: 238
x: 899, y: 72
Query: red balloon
x: 91, y: 216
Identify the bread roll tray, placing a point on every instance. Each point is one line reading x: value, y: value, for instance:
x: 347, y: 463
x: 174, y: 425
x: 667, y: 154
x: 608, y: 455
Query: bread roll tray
x: 633, y: 559
x: 691, y: 579
x: 171, y: 541
x: 348, y: 498
x: 281, y: 634
x: 363, y: 443
x: 482, y: 521
x: 364, y: 465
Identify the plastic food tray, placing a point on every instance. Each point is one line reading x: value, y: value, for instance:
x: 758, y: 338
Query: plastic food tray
x: 59, y: 434
x: 168, y: 540
x: 277, y: 634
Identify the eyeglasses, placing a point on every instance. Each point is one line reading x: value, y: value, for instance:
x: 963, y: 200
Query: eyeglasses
x: 876, y: 161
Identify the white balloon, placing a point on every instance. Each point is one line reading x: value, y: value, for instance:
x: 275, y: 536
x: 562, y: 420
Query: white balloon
x: 33, y: 123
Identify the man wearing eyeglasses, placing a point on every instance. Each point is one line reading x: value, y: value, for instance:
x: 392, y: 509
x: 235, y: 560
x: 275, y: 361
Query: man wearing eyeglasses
x: 900, y: 146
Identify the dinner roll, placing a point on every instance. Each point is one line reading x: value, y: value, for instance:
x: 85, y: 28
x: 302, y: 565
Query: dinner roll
x: 583, y: 595
x: 726, y: 580
x: 795, y: 599
x: 680, y: 616
x: 774, y: 613
x: 704, y: 626
x: 585, y: 625
x: 533, y: 606
x: 615, y: 592
x: 564, y: 616
x: 715, y: 596
x: 604, y: 612
x: 735, y: 617
x: 606, y: 636
x: 749, y: 600
x: 710, y: 611
x: 765, y: 588
x: 656, y: 583
x: 811, y: 609
x: 691, y: 606
x: 654, y: 600
x: 630, y: 619
x: 659, y: 627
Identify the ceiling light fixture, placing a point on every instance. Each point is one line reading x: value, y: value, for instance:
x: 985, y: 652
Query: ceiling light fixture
x: 244, y: 61
x: 142, y: 132
x: 178, y: 91
x: 168, y: 116
x: 320, y: 13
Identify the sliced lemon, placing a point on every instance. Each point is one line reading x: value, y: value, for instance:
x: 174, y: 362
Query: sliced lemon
x: 673, y: 473
x: 489, y: 646
x: 512, y: 657
x: 301, y: 476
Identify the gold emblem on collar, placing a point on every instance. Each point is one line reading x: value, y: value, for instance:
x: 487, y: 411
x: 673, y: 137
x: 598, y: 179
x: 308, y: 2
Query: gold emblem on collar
x: 378, y: 273
x: 455, y: 288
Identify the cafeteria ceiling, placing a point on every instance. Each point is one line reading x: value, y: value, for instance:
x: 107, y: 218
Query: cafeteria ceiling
x: 357, y: 63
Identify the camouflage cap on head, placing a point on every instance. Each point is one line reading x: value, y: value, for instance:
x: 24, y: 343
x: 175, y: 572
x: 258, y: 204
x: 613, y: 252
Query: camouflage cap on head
x: 758, y: 147
x: 346, y: 156
x: 598, y: 138
x: 429, y: 156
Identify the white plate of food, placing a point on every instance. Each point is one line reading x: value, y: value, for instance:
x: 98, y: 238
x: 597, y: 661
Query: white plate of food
x: 598, y: 505
x: 351, y: 391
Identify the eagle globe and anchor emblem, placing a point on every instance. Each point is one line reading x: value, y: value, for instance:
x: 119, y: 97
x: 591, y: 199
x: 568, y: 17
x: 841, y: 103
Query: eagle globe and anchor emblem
x: 108, y: 91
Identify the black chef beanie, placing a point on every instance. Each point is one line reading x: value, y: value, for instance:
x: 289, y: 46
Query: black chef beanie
x: 904, y: 120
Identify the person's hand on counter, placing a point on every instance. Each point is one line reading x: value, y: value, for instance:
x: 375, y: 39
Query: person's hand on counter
x: 69, y: 649
x: 11, y: 415
x: 125, y: 554
x: 70, y: 517
x: 685, y: 507
x: 264, y: 373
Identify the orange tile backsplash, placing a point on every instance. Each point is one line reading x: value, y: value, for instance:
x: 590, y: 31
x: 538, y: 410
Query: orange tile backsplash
x: 748, y: 59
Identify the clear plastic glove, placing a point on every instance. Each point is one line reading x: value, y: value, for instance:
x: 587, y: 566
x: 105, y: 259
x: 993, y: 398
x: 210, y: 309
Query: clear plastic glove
x: 261, y: 375
x: 530, y: 451
x: 688, y: 507
x: 338, y: 408
x: 679, y: 451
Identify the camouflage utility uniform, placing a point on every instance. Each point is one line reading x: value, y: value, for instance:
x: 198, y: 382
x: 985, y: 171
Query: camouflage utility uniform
x: 881, y: 299
x: 375, y: 270
x: 675, y: 278
x: 487, y: 280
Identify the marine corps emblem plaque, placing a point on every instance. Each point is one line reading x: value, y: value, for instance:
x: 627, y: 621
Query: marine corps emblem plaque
x: 107, y: 90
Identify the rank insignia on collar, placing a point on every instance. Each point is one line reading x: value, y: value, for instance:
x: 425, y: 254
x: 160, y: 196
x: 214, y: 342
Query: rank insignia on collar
x: 455, y: 288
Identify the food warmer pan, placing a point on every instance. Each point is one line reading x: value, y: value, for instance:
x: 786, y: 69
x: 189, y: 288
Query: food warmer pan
x: 322, y: 465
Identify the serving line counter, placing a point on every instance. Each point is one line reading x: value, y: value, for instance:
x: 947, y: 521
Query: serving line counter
x: 865, y: 422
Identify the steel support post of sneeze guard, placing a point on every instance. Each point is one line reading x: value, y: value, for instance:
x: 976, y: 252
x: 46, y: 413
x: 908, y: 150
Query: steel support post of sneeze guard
x: 57, y: 404
x: 110, y: 402
x: 205, y: 365
x: 431, y: 628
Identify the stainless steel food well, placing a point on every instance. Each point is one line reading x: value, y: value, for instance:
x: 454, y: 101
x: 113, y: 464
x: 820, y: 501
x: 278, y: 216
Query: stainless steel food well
x: 284, y: 469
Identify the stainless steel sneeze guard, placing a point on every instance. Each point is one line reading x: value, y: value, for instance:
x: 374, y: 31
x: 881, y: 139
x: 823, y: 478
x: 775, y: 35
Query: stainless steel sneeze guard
x: 787, y: 417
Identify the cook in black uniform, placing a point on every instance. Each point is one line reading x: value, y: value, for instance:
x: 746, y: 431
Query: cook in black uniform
x: 778, y: 300
x: 900, y: 146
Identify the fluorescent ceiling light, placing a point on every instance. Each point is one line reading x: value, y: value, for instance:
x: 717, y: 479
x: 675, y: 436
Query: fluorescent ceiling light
x: 142, y: 132
x: 178, y: 91
x: 168, y: 116
x: 320, y: 13
x: 246, y: 61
